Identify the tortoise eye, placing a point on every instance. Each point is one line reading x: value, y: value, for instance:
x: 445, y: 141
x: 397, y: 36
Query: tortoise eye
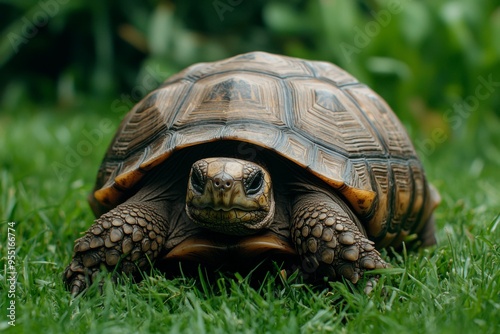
x: 254, y: 184
x: 197, y: 180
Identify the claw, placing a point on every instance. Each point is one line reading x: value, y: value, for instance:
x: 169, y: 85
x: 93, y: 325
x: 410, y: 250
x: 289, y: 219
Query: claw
x: 77, y: 285
x: 370, y: 285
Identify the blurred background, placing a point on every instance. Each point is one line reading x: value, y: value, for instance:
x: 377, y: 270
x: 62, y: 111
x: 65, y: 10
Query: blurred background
x: 437, y: 63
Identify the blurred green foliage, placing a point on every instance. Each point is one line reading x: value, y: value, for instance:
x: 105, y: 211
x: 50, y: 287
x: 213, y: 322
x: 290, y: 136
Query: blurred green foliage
x: 423, y: 57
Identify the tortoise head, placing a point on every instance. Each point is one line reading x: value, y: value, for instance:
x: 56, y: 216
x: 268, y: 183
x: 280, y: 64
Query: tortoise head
x: 229, y: 195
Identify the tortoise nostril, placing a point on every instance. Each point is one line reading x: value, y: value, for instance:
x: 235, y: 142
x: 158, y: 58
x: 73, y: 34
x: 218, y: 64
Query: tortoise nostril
x: 224, y: 182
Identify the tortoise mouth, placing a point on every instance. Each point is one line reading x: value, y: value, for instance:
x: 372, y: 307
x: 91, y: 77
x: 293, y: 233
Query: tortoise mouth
x: 233, y: 221
x: 223, y: 214
x: 220, y: 250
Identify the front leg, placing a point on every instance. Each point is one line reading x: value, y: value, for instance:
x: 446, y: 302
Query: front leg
x: 330, y: 238
x: 127, y: 238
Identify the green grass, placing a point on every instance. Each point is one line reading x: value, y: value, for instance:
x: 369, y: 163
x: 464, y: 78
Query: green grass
x: 453, y: 288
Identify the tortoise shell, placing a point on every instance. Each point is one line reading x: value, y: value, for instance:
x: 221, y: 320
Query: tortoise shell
x: 312, y: 113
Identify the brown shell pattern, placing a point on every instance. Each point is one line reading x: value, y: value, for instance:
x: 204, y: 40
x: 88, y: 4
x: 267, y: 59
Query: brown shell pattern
x: 313, y: 113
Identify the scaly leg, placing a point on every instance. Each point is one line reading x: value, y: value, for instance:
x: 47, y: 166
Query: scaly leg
x: 127, y: 238
x: 330, y: 239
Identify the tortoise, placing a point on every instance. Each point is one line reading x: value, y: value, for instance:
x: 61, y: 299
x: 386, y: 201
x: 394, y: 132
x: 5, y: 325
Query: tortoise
x: 256, y: 156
